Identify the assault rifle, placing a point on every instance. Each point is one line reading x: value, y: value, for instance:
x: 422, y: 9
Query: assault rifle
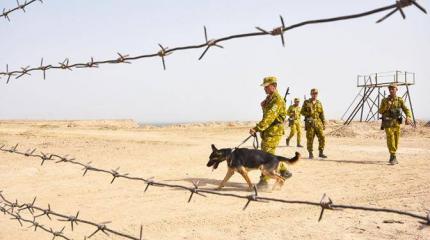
x: 286, y: 94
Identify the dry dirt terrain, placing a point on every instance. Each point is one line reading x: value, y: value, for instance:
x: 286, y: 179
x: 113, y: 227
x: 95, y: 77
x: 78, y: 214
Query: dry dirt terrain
x: 356, y: 173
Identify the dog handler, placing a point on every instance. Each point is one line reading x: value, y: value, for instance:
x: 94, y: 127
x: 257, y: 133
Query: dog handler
x: 390, y: 109
x: 271, y: 127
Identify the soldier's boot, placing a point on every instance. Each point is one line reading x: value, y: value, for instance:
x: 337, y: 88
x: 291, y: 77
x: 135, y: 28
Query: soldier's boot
x: 311, y: 155
x: 288, y: 142
x: 321, y: 155
x: 262, y: 184
x: 299, y: 145
x: 393, y: 159
x: 285, y: 174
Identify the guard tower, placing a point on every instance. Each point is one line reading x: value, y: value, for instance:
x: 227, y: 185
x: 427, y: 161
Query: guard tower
x: 373, y: 89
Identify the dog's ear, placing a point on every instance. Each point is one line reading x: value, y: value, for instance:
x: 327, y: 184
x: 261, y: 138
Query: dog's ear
x: 213, y: 148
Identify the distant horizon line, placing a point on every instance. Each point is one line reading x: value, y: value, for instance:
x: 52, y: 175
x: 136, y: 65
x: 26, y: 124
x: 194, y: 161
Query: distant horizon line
x: 154, y: 122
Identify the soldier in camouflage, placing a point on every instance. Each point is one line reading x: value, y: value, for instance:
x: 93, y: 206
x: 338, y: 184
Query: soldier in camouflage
x: 313, y: 112
x: 271, y: 127
x: 294, y: 122
x: 390, y: 109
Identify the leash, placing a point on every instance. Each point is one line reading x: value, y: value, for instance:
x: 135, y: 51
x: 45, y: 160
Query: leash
x: 255, y: 142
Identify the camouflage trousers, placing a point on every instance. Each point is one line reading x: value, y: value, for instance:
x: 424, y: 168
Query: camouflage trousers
x: 311, y: 132
x: 296, y: 128
x: 269, y: 144
x: 393, y: 135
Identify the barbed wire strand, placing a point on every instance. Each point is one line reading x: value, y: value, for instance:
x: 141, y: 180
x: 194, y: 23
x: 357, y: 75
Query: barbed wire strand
x: 20, y: 219
x: 19, y: 6
x: 165, y: 51
x: 73, y: 219
x: 325, y: 203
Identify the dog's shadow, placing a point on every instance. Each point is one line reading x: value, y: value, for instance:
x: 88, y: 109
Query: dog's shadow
x: 212, y: 184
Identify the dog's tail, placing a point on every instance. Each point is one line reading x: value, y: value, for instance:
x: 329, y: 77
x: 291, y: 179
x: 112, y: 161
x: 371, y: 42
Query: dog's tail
x: 290, y: 160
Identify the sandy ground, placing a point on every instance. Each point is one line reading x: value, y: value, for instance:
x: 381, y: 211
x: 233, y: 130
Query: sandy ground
x: 355, y: 173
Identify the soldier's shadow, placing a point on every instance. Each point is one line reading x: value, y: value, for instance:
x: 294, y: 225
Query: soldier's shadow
x: 212, y: 184
x: 350, y: 161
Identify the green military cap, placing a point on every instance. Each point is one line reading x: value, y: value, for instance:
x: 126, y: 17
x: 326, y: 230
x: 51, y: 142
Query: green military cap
x: 392, y: 85
x: 268, y: 80
x: 314, y: 90
x: 296, y: 100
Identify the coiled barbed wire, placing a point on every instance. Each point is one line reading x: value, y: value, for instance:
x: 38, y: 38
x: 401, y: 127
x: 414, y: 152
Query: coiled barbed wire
x: 19, y: 6
x: 165, y: 51
x: 324, y: 203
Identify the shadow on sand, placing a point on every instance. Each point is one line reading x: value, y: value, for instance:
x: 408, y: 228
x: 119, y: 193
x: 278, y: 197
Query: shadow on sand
x: 348, y: 161
x: 212, y: 184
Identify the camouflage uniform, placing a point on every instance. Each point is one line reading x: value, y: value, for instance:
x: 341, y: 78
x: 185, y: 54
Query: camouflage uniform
x: 314, y: 124
x: 272, y: 124
x: 271, y: 127
x: 295, y: 123
x: 391, y: 113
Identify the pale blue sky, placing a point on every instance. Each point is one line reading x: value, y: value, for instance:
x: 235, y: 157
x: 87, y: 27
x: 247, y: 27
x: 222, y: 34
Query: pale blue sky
x: 225, y: 84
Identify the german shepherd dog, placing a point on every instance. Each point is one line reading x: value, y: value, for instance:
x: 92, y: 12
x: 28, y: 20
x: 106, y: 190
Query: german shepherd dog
x: 242, y: 160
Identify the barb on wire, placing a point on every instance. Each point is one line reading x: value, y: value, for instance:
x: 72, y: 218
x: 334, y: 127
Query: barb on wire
x: 149, y: 182
x: 209, y: 43
x: 195, y: 190
x: 35, y: 224
x: 100, y: 227
x: 65, y: 64
x: 57, y: 233
x: 28, y: 206
x: 17, y: 217
x: 64, y: 159
x: 44, y: 157
x: 46, y: 212
x: 73, y: 219
x: 122, y: 58
x: 43, y: 68
x: 400, y: 4
x: 19, y: 6
x: 86, y: 168
x: 276, y: 31
x: 164, y: 51
x: 324, y: 203
x: 116, y: 174
x: 9, y: 75
x: 13, y: 205
x: 253, y: 198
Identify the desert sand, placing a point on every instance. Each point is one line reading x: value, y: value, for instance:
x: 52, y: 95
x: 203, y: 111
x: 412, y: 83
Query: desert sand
x: 356, y: 173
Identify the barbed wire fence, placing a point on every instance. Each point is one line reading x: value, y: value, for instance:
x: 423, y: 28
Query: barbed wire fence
x: 325, y: 202
x: 13, y: 208
x: 8, y: 207
x: 209, y: 43
x: 20, y: 6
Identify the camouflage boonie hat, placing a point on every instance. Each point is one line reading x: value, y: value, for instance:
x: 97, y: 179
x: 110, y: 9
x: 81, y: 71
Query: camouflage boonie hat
x: 392, y: 85
x: 314, y: 90
x: 296, y: 100
x: 268, y: 80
